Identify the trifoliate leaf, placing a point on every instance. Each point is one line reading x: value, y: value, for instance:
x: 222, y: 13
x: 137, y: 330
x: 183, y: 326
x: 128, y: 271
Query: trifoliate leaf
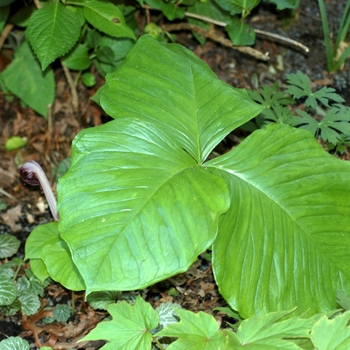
x: 130, y: 327
x: 52, y: 31
x: 8, y: 245
x: 269, y: 96
x: 301, y: 87
x: 330, y: 127
x: 194, y: 331
x: 280, y: 114
x: 332, y: 334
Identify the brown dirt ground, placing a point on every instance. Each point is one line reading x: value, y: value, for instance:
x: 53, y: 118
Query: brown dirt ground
x: 194, y: 290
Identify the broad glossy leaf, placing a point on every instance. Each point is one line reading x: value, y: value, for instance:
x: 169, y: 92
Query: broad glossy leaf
x: 128, y: 223
x: 285, y: 240
x: 168, y: 85
x: 52, y: 31
x: 45, y: 246
x: 37, y: 90
x: 130, y: 327
x: 135, y: 207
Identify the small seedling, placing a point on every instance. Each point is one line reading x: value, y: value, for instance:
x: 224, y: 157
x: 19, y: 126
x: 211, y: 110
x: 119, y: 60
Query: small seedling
x: 324, y: 116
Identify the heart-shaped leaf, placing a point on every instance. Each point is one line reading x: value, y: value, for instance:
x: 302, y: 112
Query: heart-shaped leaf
x: 136, y: 205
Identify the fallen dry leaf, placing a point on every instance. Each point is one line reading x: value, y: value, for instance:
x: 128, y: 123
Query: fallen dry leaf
x: 11, y: 216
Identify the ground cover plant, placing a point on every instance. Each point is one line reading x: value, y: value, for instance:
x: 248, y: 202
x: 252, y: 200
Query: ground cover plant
x: 325, y: 115
x: 274, y: 209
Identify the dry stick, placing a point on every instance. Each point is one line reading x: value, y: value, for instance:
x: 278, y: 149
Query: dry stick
x: 258, y: 31
x: 5, y: 33
x: 6, y: 193
x: 37, y: 4
x: 75, y: 100
x: 216, y: 36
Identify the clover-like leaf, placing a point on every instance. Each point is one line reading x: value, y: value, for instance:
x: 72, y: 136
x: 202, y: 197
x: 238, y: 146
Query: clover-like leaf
x: 301, y: 87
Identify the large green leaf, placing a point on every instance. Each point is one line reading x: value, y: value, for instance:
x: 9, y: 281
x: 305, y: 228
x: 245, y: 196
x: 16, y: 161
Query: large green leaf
x: 136, y: 206
x: 168, y: 85
x: 285, y: 241
x: 131, y: 206
x: 52, y: 31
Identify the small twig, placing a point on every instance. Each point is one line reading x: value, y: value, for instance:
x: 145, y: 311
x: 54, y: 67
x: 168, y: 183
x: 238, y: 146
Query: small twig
x: 6, y: 194
x: 258, y: 31
x: 6, y: 31
x: 75, y: 100
x: 283, y: 39
x: 216, y: 36
x: 37, y: 4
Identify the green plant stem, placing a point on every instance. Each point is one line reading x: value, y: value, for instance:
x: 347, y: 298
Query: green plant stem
x: 327, y: 36
x: 344, y: 25
x: 17, y: 271
x: 160, y: 346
